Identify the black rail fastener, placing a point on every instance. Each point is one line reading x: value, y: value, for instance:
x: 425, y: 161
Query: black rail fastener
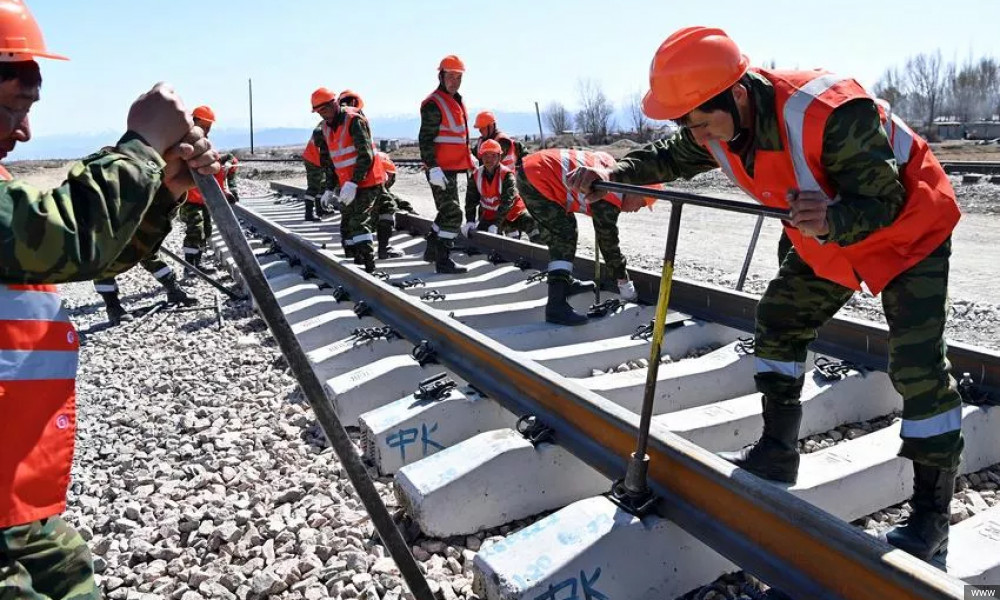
x: 340, y: 294
x: 424, y: 353
x: 273, y: 247
x: 974, y: 395
x: 435, y: 387
x: 539, y: 276
x: 293, y: 261
x: 609, y: 306
x: 361, y: 309
x: 522, y: 263
x: 432, y: 295
x: 643, y: 332
x: 370, y: 334
x: 744, y: 346
x: 308, y: 272
x: 380, y: 275
x: 496, y: 258
x: 533, y: 430
x: 324, y: 286
x: 636, y: 504
x: 408, y: 283
x: 833, y: 370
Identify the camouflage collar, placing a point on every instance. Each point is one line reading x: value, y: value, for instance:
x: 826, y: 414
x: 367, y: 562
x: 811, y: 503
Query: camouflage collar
x: 766, y: 135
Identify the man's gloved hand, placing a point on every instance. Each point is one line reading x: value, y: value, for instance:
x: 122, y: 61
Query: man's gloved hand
x: 347, y: 193
x: 469, y: 227
x: 328, y: 198
x: 626, y: 290
x: 475, y: 162
x: 436, y: 178
x: 493, y: 229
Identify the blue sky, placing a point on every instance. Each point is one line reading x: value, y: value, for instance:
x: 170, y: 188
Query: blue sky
x: 516, y: 52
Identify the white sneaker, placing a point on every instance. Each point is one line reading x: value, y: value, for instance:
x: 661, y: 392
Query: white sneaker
x: 626, y: 291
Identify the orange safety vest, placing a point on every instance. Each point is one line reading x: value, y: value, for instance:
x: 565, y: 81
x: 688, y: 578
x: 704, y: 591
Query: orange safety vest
x: 805, y: 100
x: 547, y: 170
x: 509, y: 159
x: 489, y: 195
x: 344, y: 155
x: 194, y: 194
x: 311, y: 154
x: 451, y: 146
x: 387, y: 165
x: 38, y: 358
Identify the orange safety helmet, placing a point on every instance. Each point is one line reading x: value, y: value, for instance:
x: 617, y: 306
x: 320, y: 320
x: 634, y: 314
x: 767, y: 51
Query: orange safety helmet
x: 485, y: 119
x: 387, y: 164
x: 452, y: 63
x: 347, y: 95
x: 692, y: 66
x: 204, y: 113
x: 20, y: 37
x: 490, y: 146
x: 321, y: 96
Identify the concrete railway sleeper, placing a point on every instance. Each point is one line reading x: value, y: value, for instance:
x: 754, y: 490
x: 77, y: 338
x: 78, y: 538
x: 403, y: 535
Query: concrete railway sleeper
x: 461, y: 466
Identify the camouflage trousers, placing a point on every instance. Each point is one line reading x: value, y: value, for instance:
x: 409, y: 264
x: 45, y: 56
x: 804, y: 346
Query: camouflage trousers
x: 558, y: 228
x: 45, y: 559
x: 401, y: 204
x: 154, y: 265
x: 449, y: 210
x: 797, y: 302
x: 197, y: 227
x: 356, y: 223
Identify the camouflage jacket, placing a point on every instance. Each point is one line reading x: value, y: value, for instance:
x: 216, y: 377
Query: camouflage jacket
x: 856, y: 154
x: 112, y: 210
x: 229, y: 157
x: 508, y: 194
x: 323, y: 177
x: 430, y: 125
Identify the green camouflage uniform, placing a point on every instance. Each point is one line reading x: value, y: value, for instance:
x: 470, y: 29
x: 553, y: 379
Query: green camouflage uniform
x: 197, y: 219
x: 356, y: 226
x: 319, y: 178
x: 558, y: 229
x: 860, y: 165
x: 110, y: 213
x: 154, y: 265
x: 508, y: 195
x: 449, y: 211
x: 401, y: 204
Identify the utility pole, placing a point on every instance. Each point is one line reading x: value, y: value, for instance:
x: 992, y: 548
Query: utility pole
x: 250, y: 86
x: 541, y: 136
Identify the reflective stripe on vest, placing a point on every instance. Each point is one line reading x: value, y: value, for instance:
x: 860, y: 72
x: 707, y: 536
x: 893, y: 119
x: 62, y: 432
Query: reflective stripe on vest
x: 344, y: 155
x: 489, y: 197
x: 452, y: 129
x: 509, y: 159
x: 571, y: 159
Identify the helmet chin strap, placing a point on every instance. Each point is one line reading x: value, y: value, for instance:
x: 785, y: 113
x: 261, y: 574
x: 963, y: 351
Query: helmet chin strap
x: 734, y: 112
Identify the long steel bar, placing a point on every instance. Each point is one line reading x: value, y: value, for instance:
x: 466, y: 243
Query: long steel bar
x: 675, y: 196
x: 313, y: 390
x: 749, y: 257
x: 786, y: 541
x: 202, y: 275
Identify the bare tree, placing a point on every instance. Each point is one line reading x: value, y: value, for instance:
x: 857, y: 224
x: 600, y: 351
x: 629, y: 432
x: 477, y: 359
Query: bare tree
x: 557, y: 118
x: 596, y: 116
x: 640, y: 123
x: 989, y: 81
x: 966, y: 98
x: 925, y: 73
x: 891, y: 88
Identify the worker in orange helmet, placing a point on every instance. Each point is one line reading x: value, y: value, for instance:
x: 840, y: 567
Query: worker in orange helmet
x: 352, y: 99
x: 197, y: 220
x: 512, y: 150
x: 113, y: 210
x: 869, y: 204
x: 444, y: 150
x: 321, y: 179
x: 493, y: 193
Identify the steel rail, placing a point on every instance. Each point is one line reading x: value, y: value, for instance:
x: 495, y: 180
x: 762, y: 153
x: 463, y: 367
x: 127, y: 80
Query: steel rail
x: 786, y: 541
x: 309, y: 383
x: 971, y: 166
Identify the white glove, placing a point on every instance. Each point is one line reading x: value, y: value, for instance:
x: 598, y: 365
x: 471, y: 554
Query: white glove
x: 475, y: 162
x: 626, y: 290
x: 469, y: 227
x: 493, y: 229
x: 436, y: 177
x: 327, y: 198
x: 347, y: 193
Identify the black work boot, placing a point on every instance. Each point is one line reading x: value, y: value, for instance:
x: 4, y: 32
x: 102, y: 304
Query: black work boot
x: 205, y: 265
x: 925, y: 532
x: 175, y: 294
x: 774, y: 455
x: 309, y: 209
x: 557, y: 310
x: 364, y: 255
x: 430, y: 249
x: 383, y: 232
x: 348, y: 249
x: 113, y: 306
x: 193, y: 259
x: 578, y: 286
x: 443, y: 263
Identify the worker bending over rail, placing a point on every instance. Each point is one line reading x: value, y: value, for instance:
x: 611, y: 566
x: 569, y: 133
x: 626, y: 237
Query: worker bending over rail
x: 869, y: 203
x: 113, y: 210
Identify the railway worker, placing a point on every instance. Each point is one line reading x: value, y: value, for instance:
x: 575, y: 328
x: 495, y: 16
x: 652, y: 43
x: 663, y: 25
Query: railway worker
x: 512, y: 150
x: 390, y: 180
x: 541, y: 182
x: 360, y: 174
x: 52, y: 237
x: 869, y: 203
x: 444, y: 150
x: 493, y: 193
x: 320, y: 182
x: 107, y: 288
x: 194, y: 213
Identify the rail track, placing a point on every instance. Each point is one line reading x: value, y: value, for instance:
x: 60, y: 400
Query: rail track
x: 980, y: 167
x: 485, y: 415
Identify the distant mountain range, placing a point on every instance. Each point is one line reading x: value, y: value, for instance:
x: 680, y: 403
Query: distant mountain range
x: 402, y: 127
